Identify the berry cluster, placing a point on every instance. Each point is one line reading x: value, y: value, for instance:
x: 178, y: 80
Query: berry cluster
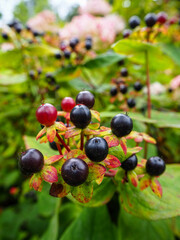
x: 81, y: 162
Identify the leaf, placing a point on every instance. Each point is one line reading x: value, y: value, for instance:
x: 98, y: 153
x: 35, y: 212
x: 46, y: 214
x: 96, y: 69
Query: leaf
x: 95, y: 114
x: 83, y: 193
x: 15, y: 54
x: 72, y: 132
x: 112, y: 161
x: 36, y: 182
x: 103, y: 60
x: 59, y: 190
x: 9, y: 78
x: 149, y: 139
x: 53, y: 159
x: 132, y: 177
x: 172, y: 51
x: 134, y: 150
x: 51, y: 133
x: 146, y: 204
x: 76, y: 153
x: 60, y: 126
x: 123, y: 145
x: 95, y: 171
x: 92, y: 223
x: 156, y: 187
x: 112, y: 141
x: 40, y: 50
x: 42, y: 132
x: 43, y: 139
x: 49, y: 174
x: 88, y: 132
x: 94, y: 126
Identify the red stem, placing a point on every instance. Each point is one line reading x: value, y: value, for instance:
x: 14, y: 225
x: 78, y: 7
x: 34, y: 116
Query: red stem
x: 82, y: 140
x: 62, y: 142
x: 59, y: 148
x: 110, y: 174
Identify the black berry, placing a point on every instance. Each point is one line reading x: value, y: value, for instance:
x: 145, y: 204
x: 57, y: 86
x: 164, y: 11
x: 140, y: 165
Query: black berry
x: 73, y: 42
x: 74, y: 172
x: 123, y: 89
x: 150, y: 19
x: 36, y: 33
x: 18, y: 27
x: 86, y: 98
x: 58, y: 55
x: 80, y: 116
x: 113, y: 91
x: 31, y: 161
x: 124, y: 72
x: 121, y: 62
x: 121, y: 125
x: 5, y: 36
x: 88, y: 44
x: 155, y: 166
x: 138, y: 86
x: 67, y: 54
x: 130, y: 163
x: 170, y: 90
x: 13, y: 23
x: 96, y: 149
x: 53, y: 145
x: 89, y: 38
x: 131, y: 102
x: 50, y: 78
x: 126, y: 33
x: 32, y: 74
x: 134, y: 21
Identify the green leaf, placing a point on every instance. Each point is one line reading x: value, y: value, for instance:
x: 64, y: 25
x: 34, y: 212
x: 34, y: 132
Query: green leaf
x: 9, y: 78
x: 104, y: 60
x: 146, y: 204
x: 92, y: 224
x: 10, y: 59
x: 172, y: 51
x: 143, y: 229
x: 83, y: 193
x: 40, y: 50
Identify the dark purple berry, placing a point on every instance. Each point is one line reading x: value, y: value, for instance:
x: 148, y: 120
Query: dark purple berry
x: 155, y: 166
x: 131, y: 102
x: 134, y: 21
x: 31, y: 161
x: 150, y: 19
x: 123, y: 89
x: 138, y: 86
x: 86, y: 98
x: 121, y: 125
x: 32, y: 74
x: 4, y: 36
x: 58, y: 55
x: 121, y: 62
x: 96, y: 149
x: 124, y: 72
x: 67, y: 54
x: 73, y: 42
x: 130, y: 163
x: 89, y: 38
x: 36, y: 33
x: 13, y: 23
x: 170, y: 90
x: 18, y: 27
x: 80, y: 116
x: 126, y: 33
x: 53, y: 145
x: 50, y: 78
x: 88, y: 44
x: 113, y: 91
x: 74, y: 172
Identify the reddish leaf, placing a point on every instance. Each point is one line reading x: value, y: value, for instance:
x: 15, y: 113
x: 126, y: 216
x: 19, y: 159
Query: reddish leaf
x: 112, y: 161
x: 95, y: 171
x: 123, y: 145
x: 83, y: 193
x: 149, y: 139
x: 105, y: 131
x: 132, y: 177
x: 60, y: 126
x: 49, y: 174
x: 99, y: 180
x: 112, y: 141
x: 51, y: 133
x: 96, y: 115
x: 36, y: 182
x: 90, y: 132
x: 145, y: 182
x: 59, y: 190
x: 43, y: 140
x: 72, y: 132
x: 94, y: 126
x: 76, y: 153
x: 53, y: 159
x: 134, y: 150
x: 156, y: 187
x: 42, y: 132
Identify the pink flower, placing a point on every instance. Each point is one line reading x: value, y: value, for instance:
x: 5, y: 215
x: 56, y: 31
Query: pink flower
x: 95, y: 7
x: 175, y: 82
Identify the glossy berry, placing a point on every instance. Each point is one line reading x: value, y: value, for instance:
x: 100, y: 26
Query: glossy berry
x: 31, y: 161
x: 86, y: 98
x: 123, y: 89
x: 113, y: 91
x: 68, y: 104
x: 134, y: 21
x: 89, y: 38
x: 121, y: 125
x: 88, y: 44
x: 63, y: 46
x: 137, y: 86
x: 32, y: 74
x: 53, y: 145
x: 58, y: 55
x: 131, y: 102
x: 130, y: 163
x: 67, y: 54
x: 170, y: 90
x: 74, y: 172
x: 46, y: 114
x: 121, y: 62
x: 162, y: 17
x: 50, y: 78
x: 124, y: 72
x: 126, y: 33
x: 80, y: 116
x: 36, y: 33
x: 18, y: 27
x: 96, y: 149
x: 73, y: 42
x: 4, y: 36
x: 155, y: 166
x: 150, y: 19
x: 13, y: 23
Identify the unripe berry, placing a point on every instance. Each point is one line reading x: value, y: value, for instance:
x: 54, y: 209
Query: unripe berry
x: 46, y: 114
x: 67, y: 104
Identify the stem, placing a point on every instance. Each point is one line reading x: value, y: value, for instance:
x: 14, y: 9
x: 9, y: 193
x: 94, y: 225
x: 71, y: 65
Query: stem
x: 59, y: 148
x: 110, y: 174
x: 82, y: 140
x: 148, y: 85
x: 145, y: 150
x: 62, y: 142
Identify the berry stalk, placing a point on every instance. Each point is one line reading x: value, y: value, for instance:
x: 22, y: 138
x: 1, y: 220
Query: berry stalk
x: 62, y: 142
x: 110, y: 174
x: 59, y: 148
x: 82, y: 140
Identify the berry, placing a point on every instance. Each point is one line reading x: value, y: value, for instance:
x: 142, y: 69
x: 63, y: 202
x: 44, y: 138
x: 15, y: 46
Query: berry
x: 86, y: 98
x: 18, y: 27
x: 150, y: 19
x: 53, y: 145
x: 162, y: 17
x: 126, y: 33
x: 51, y: 79
x: 131, y: 102
x: 28, y: 28
x: 96, y: 149
x: 67, y: 54
x: 58, y: 55
x: 46, y: 114
x: 13, y: 23
x: 113, y: 91
x: 80, y: 116
x: 123, y: 89
x: 32, y: 74
x: 121, y: 62
x: 5, y: 36
x: 89, y: 38
x: 36, y: 33
x: 170, y: 90
x: 130, y: 163
x: 155, y: 166
x: 31, y: 161
x: 73, y: 42
x: 121, y: 125
x: 63, y: 46
x: 134, y: 21
x: 68, y: 104
x: 74, y: 172
x: 124, y: 72
x: 138, y: 86
x: 88, y: 45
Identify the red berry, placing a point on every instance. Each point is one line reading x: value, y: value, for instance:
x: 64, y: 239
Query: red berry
x: 46, y: 114
x: 161, y: 17
x: 68, y: 104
